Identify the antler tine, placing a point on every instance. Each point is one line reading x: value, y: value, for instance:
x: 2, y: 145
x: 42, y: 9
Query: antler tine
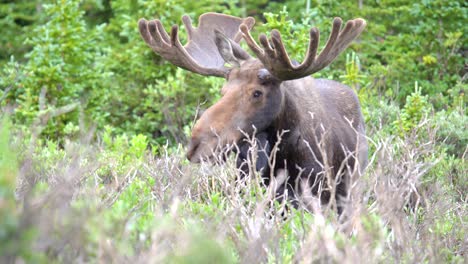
x: 162, y: 32
x: 251, y: 42
x: 321, y: 61
x: 267, y: 48
x: 352, y: 29
x: 175, y: 36
x: 314, y: 38
x: 200, y: 54
x: 188, y: 25
x: 335, y: 46
x: 159, y: 39
x: 281, y: 52
x: 248, y: 22
x: 144, y: 32
x: 277, y: 61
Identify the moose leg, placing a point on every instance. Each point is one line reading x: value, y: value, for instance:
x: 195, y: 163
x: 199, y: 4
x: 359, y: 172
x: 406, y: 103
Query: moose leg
x: 245, y: 156
x: 340, y: 196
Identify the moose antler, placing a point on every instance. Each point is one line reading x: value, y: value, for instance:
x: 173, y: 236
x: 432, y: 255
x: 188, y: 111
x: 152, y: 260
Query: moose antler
x: 276, y: 59
x: 200, y: 54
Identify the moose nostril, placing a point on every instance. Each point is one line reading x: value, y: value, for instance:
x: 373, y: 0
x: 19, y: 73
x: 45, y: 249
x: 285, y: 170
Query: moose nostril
x: 192, y: 148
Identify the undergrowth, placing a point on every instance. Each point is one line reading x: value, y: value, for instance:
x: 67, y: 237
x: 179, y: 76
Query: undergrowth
x: 117, y: 202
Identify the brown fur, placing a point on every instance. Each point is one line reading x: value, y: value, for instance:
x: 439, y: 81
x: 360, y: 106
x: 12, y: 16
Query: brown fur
x: 311, y: 110
x: 320, y: 120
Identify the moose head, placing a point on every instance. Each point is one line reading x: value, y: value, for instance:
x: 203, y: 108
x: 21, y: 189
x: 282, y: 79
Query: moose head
x: 267, y: 93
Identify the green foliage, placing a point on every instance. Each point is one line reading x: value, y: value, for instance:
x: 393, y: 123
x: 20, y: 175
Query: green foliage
x: 16, y: 235
x: 452, y: 131
x: 17, y: 18
x: 353, y: 77
x: 294, y: 34
x: 450, y: 169
x: 60, y: 77
x: 85, y: 64
x: 124, y: 152
x: 415, y: 109
x: 8, y: 171
x: 11, y: 74
x: 201, y: 249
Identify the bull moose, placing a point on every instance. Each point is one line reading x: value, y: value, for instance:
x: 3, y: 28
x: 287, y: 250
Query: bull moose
x: 320, y: 120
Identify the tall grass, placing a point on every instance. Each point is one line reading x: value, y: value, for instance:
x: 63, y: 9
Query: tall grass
x: 108, y: 202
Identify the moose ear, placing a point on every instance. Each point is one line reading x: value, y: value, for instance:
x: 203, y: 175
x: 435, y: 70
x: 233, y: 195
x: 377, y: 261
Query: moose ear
x: 229, y: 50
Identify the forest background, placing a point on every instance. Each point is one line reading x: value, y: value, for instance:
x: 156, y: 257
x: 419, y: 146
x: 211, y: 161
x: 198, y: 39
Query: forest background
x: 94, y: 123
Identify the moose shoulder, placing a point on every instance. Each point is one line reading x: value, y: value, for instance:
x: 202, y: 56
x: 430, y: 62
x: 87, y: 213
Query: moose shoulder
x: 323, y: 136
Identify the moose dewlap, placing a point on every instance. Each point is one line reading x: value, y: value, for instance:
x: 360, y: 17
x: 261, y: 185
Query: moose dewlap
x: 323, y: 138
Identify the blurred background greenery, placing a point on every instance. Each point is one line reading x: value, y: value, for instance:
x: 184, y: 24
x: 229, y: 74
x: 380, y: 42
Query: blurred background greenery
x: 69, y: 65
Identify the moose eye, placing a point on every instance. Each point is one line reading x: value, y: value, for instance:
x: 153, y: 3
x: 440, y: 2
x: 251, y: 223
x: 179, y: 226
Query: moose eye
x: 257, y: 94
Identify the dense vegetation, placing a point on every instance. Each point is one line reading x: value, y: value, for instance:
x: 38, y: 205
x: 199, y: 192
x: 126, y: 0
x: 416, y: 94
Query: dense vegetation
x: 93, y: 124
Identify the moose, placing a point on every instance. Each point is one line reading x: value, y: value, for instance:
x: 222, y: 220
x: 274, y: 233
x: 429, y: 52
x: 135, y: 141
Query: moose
x: 320, y: 121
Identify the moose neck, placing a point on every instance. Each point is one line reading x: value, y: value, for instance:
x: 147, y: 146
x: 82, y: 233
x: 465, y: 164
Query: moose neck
x: 300, y: 99
x: 288, y: 119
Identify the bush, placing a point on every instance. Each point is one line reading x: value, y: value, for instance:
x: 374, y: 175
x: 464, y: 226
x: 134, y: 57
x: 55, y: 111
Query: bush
x: 86, y: 65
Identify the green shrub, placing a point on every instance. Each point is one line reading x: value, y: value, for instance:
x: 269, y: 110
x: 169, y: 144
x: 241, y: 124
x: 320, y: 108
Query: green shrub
x: 16, y: 232
x: 88, y: 67
x: 415, y: 109
x: 61, y: 77
x: 452, y: 133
